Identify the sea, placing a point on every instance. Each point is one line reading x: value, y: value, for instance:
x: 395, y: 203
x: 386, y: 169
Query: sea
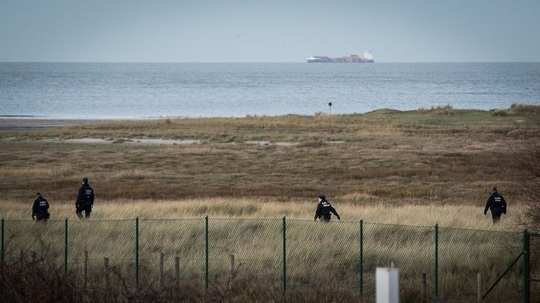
x: 151, y: 90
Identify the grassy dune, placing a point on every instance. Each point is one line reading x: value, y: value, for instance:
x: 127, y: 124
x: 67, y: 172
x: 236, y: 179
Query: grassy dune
x: 426, y: 156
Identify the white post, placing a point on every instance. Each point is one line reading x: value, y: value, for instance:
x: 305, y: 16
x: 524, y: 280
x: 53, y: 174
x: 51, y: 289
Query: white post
x: 387, y: 283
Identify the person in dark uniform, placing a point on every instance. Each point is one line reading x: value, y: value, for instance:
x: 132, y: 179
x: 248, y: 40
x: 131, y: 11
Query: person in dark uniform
x: 85, y: 199
x: 40, y: 209
x: 325, y: 210
x: 496, y: 204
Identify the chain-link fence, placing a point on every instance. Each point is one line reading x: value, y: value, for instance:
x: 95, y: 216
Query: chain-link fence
x: 281, y: 255
x: 535, y: 266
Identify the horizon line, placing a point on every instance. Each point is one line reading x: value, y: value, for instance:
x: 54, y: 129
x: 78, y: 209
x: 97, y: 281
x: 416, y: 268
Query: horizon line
x: 245, y: 62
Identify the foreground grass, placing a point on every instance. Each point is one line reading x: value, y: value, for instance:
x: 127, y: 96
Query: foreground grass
x: 319, y: 256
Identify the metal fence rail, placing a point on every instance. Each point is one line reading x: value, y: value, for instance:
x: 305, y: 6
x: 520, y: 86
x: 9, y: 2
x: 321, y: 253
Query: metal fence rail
x: 282, y: 254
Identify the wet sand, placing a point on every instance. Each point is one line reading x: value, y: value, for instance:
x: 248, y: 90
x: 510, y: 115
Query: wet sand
x: 21, y: 123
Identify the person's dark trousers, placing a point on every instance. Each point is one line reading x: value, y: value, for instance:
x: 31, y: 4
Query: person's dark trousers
x: 496, y: 217
x: 86, y: 209
x: 42, y: 217
x: 325, y: 219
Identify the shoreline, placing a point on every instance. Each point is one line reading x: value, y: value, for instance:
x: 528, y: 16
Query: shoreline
x: 22, y: 122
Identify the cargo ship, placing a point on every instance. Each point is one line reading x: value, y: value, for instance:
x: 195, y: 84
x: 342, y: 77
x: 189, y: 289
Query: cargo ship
x: 363, y: 58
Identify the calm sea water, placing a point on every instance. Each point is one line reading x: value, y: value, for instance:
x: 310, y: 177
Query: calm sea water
x: 103, y: 90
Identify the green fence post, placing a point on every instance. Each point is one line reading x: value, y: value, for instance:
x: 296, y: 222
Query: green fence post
x: 206, y: 273
x: 361, y: 260
x: 66, y: 237
x: 137, y: 252
x: 2, y: 241
x: 526, y: 268
x: 284, y: 235
x: 436, y: 264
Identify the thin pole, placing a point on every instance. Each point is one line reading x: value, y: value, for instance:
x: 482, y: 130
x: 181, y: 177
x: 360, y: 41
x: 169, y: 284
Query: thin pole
x: 231, y: 271
x: 478, y: 287
x: 231, y: 266
x: 177, y: 270
x: 284, y: 278
x: 106, y: 267
x: 161, y: 261
x: 2, y: 242
x: 436, y: 265
x: 502, y: 275
x: 137, y: 252
x: 66, y: 237
x: 206, y: 273
x: 361, y: 261
x: 526, y: 267
x: 85, y: 269
x: 424, y: 288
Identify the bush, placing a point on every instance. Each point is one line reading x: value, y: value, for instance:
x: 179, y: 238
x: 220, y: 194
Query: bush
x: 439, y: 110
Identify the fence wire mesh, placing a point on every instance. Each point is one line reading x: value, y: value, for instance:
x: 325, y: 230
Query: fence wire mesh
x: 465, y: 253
x: 253, y: 245
x: 24, y: 239
x: 171, y: 251
x: 323, y: 255
x: 103, y: 249
x: 338, y: 257
x: 409, y: 248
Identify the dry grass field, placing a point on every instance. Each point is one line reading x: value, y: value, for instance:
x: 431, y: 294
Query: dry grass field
x: 463, y: 216
x: 386, y: 167
x: 436, y: 156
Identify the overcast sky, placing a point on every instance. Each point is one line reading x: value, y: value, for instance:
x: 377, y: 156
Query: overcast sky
x: 268, y: 31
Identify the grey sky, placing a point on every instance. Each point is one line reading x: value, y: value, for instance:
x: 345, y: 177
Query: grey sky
x: 267, y: 31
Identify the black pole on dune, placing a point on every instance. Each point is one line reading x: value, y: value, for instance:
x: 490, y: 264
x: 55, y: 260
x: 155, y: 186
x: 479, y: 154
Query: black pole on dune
x: 330, y: 106
x: 2, y: 241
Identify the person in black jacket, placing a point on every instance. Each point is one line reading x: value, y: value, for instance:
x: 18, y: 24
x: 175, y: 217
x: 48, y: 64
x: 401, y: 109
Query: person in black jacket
x: 40, y: 209
x: 325, y: 210
x: 85, y: 199
x: 496, y: 204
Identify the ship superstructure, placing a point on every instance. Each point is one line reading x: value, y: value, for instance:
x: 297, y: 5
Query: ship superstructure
x: 362, y: 58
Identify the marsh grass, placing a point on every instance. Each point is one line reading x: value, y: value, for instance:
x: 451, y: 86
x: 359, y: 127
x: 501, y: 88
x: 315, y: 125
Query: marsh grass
x: 449, y: 215
x: 414, y: 156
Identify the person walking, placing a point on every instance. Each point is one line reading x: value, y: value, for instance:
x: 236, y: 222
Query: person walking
x: 85, y: 199
x: 40, y: 209
x: 325, y: 210
x: 496, y: 204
